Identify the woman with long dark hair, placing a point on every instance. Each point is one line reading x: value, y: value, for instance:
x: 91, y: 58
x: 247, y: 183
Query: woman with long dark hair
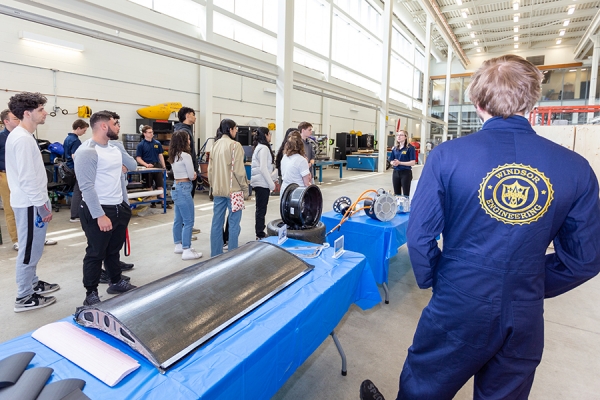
x: 181, y: 194
x: 402, y: 159
x: 226, y: 175
x: 294, y: 165
x: 262, y: 176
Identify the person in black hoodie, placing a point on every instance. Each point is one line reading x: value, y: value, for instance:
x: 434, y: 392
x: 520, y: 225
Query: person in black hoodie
x: 187, y: 118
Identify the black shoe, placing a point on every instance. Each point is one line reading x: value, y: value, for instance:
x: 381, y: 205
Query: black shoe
x: 104, y: 278
x: 120, y: 287
x: 368, y: 391
x: 45, y: 287
x: 91, y: 299
x: 125, y: 266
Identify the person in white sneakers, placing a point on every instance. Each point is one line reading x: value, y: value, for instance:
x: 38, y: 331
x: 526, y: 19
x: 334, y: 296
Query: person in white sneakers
x: 27, y: 181
x: 181, y: 194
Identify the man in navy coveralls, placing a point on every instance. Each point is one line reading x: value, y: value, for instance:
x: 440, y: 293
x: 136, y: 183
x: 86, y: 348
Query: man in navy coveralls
x: 499, y: 205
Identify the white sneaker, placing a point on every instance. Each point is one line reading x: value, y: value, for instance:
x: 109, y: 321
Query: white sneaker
x: 178, y: 249
x: 190, y: 254
x: 73, y: 220
x: 16, y: 246
x: 50, y: 242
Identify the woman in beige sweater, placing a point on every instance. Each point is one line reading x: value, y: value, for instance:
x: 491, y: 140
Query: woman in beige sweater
x: 226, y: 174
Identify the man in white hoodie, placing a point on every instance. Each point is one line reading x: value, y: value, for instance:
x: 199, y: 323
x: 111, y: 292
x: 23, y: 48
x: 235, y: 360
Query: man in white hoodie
x: 27, y: 182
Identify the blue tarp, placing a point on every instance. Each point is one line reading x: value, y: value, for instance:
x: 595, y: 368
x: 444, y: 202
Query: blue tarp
x: 378, y: 241
x: 252, y: 358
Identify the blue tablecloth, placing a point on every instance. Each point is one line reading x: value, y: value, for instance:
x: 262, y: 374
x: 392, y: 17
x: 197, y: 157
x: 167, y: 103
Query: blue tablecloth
x: 378, y: 241
x: 251, y: 359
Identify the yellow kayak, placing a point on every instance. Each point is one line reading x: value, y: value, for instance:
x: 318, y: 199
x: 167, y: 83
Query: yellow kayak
x: 159, y: 111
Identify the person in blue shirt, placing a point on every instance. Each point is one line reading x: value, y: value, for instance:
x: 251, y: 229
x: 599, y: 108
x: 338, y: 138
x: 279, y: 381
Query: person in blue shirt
x: 70, y: 145
x: 149, y: 154
x: 402, y: 159
x: 498, y: 210
x: 10, y: 122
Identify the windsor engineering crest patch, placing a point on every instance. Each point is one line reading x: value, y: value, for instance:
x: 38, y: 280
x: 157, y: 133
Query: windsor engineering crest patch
x: 515, y: 194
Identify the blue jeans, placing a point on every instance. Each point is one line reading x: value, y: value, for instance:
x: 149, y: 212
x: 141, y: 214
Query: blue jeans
x: 181, y: 194
x: 216, y: 232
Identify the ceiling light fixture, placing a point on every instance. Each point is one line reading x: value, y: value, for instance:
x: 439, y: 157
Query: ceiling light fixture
x: 478, y: 50
x: 459, y: 2
x: 516, y: 18
x: 469, y: 26
x: 572, y: 70
x: 516, y: 29
x: 516, y: 38
x: 558, y: 41
x: 570, y: 10
x: 561, y: 32
x: 50, y: 41
x: 583, y: 69
x: 516, y: 45
x: 475, y: 42
x: 464, y: 14
x: 472, y: 34
x: 566, y: 23
x: 516, y: 5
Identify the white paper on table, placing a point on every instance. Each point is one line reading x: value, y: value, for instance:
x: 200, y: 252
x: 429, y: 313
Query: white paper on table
x: 105, y: 362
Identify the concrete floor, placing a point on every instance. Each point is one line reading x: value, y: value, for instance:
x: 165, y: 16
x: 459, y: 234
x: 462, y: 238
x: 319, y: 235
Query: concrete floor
x: 375, y: 341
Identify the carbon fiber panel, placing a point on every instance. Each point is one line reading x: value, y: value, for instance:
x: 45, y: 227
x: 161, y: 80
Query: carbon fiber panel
x: 168, y: 318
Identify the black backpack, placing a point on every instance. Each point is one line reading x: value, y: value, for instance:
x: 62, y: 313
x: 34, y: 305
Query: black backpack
x: 65, y: 174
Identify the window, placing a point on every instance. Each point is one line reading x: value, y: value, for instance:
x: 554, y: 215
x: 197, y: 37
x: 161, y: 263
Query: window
x: 347, y: 76
x: 355, y: 48
x: 309, y: 60
x: 184, y: 10
x: 245, y: 34
x: 311, y: 25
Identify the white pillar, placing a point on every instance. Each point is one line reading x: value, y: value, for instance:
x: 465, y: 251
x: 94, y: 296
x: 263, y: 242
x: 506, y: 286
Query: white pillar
x: 594, y: 74
x: 204, y: 125
x: 424, y: 126
x: 285, y: 71
x: 384, y: 91
x: 326, y: 102
x: 447, y: 95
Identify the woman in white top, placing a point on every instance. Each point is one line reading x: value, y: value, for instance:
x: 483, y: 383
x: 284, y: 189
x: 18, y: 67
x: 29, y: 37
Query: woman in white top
x: 294, y: 165
x: 181, y: 194
x: 262, y: 176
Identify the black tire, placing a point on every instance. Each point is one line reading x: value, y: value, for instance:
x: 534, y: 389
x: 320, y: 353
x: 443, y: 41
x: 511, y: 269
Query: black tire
x: 312, y: 235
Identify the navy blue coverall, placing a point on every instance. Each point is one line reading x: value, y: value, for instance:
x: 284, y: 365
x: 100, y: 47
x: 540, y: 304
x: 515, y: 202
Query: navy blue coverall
x: 499, y: 197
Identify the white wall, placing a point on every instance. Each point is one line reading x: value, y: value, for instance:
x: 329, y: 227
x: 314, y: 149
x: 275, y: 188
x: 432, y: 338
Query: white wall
x: 122, y: 79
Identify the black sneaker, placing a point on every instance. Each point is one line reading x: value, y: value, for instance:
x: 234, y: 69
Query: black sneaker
x: 104, y: 278
x: 120, y: 287
x: 125, y: 266
x: 45, y: 287
x: 92, y: 299
x: 368, y: 391
x: 32, y: 302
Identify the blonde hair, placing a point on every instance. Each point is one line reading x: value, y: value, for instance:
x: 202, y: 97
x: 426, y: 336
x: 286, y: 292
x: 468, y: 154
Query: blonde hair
x: 505, y: 86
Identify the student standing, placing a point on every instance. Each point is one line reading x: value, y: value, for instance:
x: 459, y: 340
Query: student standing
x: 29, y: 199
x: 104, y: 213
x: 149, y: 154
x: 226, y: 174
x: 262, y: 177
x: 184, y: 175
x: 402, y: 159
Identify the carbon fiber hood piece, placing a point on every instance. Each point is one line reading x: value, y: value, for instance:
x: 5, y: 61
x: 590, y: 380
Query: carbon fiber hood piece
x: 167, y: 319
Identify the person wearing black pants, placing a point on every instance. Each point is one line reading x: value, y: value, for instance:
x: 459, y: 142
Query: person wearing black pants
x: 402, y: 159
x: 263, y: 178
x: 103, y: 245
x: 105, y: 213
